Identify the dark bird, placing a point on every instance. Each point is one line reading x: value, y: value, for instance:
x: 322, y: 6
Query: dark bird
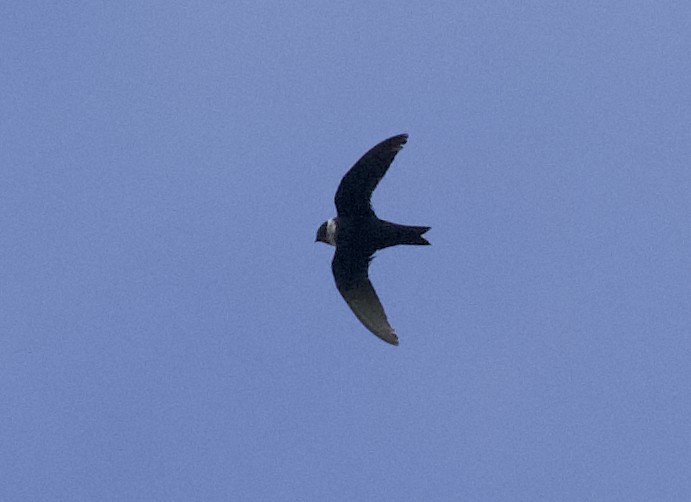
x: 357, y: 234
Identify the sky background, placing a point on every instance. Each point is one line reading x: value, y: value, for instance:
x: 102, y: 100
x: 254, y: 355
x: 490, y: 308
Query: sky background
x: 170, y: 330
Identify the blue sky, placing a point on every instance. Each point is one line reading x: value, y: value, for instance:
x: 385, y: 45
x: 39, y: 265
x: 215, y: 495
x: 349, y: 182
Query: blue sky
x: 170, y: 330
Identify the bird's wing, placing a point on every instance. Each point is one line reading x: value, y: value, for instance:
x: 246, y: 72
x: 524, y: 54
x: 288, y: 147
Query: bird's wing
x: 352, y: 281
x: 356, y: 187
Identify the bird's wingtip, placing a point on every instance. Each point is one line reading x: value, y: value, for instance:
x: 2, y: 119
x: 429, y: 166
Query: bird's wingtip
x: 391, y: 338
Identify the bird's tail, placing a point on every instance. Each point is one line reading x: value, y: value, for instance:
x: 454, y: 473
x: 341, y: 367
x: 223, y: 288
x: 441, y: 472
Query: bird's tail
x: 414, y: 235
x: 406, y: 234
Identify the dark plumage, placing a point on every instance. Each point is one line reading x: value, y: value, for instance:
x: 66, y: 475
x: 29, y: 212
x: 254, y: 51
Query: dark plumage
x: 358, y: 233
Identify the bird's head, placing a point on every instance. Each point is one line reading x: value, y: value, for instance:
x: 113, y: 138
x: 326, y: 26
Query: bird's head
x: 326, y: 232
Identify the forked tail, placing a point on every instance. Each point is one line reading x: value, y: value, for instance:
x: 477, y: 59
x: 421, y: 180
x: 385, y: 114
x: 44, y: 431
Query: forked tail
x: 413, y: 235
x: 404, y: 234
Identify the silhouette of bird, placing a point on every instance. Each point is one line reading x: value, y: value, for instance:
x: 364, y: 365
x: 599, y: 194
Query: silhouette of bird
x: 358, y: 233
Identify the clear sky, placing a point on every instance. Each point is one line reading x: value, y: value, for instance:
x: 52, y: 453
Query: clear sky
x: 170, y: 330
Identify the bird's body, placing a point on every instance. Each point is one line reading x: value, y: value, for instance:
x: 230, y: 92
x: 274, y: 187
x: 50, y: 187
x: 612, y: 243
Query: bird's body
x: 358, y: 233
x: 372, y: 234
